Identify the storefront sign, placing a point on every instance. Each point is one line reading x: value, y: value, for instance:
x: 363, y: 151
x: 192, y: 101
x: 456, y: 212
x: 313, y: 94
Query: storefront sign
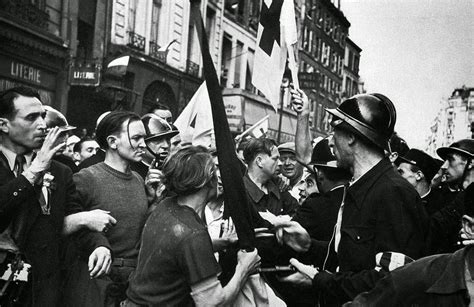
x: 233, y: 110
x: 84, y: 74
x: 23, y: 72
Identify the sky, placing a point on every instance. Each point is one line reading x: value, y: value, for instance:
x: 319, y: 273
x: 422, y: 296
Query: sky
x: 416, y: 52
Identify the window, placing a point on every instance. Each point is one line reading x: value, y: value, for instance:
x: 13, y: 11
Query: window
x: 210, y: 22
x: 319, y: 17
x: 249, y: 72
x: 226, y: 55
x: 305, y: 37
x: 238, y: 62
x: 132, y: 11
x: 155, y: 20
x: 315, y: 45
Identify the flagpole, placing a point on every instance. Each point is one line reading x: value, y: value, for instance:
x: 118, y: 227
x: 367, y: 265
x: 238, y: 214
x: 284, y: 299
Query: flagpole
x: 235, y: 196
x: 293, y: 67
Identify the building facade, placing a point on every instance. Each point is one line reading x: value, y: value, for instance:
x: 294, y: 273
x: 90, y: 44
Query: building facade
x: 63, y: 48
x: 323, y: 42
x: 454, y: 121
x: 351, y: 84
x: 34, y: 48
x: 164, y: 67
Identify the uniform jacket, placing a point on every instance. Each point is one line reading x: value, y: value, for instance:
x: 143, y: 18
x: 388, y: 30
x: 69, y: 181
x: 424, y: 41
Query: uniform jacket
x: 318, y: 213
x: 278, y: 203
x: 382, y: 212
x: 38, y: 236
x: 432, y: 281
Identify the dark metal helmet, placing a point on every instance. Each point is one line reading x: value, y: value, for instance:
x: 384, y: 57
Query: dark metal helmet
x: 156, y: 127
x: 463, y: 147
x: 372, y: 115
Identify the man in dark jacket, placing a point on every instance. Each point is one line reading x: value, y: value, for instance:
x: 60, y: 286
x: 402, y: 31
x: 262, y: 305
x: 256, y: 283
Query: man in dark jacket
x: 445, y: 223
x: 36, y: 193
x: 419, y: 168
x: 380, y: 211
x: 440, y: 280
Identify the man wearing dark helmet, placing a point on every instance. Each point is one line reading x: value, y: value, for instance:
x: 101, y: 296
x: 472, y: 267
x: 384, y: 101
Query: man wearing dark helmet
x: 380, y: 211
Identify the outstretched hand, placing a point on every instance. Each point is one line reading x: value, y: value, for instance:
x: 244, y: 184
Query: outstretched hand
x: 304, y: 276
x: 292, y: 234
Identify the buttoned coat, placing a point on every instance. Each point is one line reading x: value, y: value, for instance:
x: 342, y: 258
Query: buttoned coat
x: 38, y: 236
x: 382, y: 213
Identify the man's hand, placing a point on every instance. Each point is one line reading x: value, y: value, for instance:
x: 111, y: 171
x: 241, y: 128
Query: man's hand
x: 249, y: 262
x: 300, y: 102
x: 153, y: 185
x: 44, y: 156
x: 304, y: 276
x: 282, y: 182
x: 98, y: 220
x: 229, y: 235
x: 292, y: 234
x: 99, y: 262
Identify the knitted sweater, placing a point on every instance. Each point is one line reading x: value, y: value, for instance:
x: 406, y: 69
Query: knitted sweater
x: 123, y: 194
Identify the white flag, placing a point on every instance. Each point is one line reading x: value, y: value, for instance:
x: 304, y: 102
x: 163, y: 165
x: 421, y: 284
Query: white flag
x: 118, y: 66
x: 258, y: 129
x: 276, y: 30
x: 195, y: 121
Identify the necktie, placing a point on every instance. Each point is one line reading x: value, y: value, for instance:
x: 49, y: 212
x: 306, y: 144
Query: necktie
x: 337, y: 236
x: 20, y: 162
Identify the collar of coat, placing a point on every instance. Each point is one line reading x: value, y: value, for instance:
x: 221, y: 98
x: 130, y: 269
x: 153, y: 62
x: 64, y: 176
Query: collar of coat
x: 360, y: 188
x: 254, y: 191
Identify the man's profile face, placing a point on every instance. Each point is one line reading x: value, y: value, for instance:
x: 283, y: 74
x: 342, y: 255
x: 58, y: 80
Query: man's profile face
x: 454, y: 167
x: 271, y: 162
x: 339, y: 144
x: 405, y: 170
x: 288, y: 164
x: 26, y: 129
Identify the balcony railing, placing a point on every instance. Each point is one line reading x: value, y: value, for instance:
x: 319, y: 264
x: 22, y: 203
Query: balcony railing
x: 136, y: 41
x: 26, y: 11
x: 192, y: 68
x: 154, y: 52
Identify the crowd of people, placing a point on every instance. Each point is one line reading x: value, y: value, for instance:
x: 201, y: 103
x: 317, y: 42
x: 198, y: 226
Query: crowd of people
x: 134, y: 216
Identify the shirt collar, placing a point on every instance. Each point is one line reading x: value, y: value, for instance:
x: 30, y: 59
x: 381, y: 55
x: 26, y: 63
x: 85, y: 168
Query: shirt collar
x: 11, y: 157
x: 254, y: 191
x: 426, y: 194
x: 452, y: 278
x: 337, y: 187
x: 359, y: 188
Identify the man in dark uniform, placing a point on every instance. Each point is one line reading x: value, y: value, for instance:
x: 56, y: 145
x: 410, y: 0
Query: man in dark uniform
x: 380, y: 211
x: 36, y: 193
x: 419, y: 168
x: 445, y: 224
x: 263, y: 159
x: 318, y: 213
x: 439, y: 280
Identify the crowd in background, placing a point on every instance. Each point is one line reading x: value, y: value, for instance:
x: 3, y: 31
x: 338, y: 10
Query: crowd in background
x: 132, y: 215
